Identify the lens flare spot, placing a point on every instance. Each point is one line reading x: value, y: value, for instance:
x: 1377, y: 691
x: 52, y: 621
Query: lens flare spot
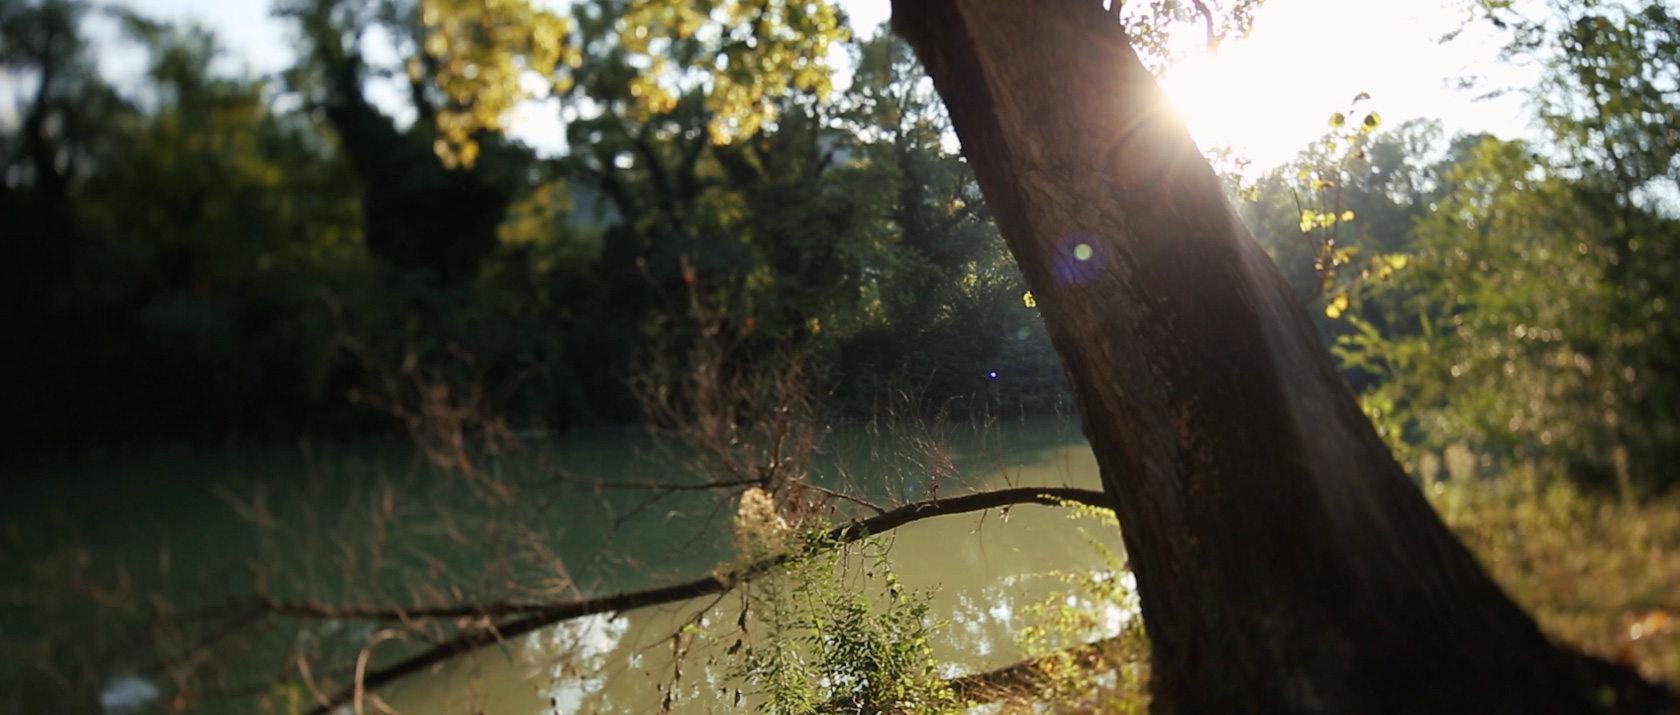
x: 992, y: 375
x: 1078, y: 258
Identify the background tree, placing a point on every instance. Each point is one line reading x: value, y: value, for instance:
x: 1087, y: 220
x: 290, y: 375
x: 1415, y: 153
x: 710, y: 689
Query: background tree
x: 1532, y: 326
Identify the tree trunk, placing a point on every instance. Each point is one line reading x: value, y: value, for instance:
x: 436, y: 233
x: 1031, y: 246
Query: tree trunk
x: 1285, y: 561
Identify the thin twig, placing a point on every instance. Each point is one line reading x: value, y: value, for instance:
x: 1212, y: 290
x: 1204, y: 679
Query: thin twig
x: 847, y: 497
x: 525, y: 618
x: 663, y: 486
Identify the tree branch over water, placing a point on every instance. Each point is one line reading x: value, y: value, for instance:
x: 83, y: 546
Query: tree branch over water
x: 524, y: 618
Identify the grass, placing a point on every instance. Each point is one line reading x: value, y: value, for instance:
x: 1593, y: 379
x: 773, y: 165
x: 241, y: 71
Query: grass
x: 1600, y: 575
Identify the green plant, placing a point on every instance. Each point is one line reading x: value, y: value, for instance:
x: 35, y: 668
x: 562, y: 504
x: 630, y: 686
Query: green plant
x: 1089, y: 648
x: 837, y: 633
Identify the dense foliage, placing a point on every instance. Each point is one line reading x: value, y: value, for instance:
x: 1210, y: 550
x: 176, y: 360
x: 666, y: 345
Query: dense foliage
x: 1512, y: 299
x: 205, y: 257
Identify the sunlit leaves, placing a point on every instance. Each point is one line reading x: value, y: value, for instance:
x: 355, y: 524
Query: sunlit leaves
x: 1028, y: 300
x: 1385, y: 265
x: 1336, y: 306
x: 1498, y: 329
x: 745, y: 55
x: 760, y: 51
x: 1155, y: 27
x: 1380, y: 268
x: 1232, y: 167
x: 1319, y: 201
x: 484, y: 53
x: 1370, y: 123
x: 1312, y: 220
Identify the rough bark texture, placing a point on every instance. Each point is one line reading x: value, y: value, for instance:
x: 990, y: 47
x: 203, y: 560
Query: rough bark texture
x: 1285, y: 561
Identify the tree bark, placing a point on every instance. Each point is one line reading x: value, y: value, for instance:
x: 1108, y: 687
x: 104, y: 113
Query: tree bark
x: 1285, y: 561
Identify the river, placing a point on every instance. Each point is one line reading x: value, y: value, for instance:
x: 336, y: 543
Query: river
x: 171, y: 514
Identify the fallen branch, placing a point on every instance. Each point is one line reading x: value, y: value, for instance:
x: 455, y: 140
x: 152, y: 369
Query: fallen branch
x: 525, y: 618
x: 1028, y: 677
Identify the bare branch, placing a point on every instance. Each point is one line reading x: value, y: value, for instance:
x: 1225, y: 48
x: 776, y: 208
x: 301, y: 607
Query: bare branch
x: 872, y: 506
x: 599, y: 484
x: 1213, y: 38
x: 525, y: 618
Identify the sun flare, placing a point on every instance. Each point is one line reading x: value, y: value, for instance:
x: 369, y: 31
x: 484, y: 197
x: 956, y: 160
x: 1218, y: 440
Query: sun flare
x: 1229, y: 100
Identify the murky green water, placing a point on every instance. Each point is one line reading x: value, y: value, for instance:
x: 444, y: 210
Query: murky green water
x: 173, y: 515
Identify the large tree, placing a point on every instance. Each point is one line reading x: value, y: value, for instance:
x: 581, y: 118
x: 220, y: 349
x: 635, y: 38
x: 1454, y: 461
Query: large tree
x: 1285, y: 561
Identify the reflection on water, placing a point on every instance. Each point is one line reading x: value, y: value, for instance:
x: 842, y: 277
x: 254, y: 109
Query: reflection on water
x: 983, y: 571
x: 127, y: 694
x: 578, y: 651
x: 169, y: 521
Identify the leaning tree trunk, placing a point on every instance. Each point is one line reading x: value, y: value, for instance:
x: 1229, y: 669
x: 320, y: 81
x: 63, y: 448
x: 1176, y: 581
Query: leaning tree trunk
x: 1285, y: 562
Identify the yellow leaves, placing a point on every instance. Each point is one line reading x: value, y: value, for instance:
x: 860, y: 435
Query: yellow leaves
x: 437, y: 44
x: 1372, y: 121
x: 1332, y: 257
x: 1028, y: 300
x: 1311, y: 219
x: 1336, y: 306
x: 480, y: 52
x: 653, y: 97
x: 483, y: 56
x: 766, y: 49
x: 1381, y: 268
x: 1367, y: 124
x: 1385, y: 265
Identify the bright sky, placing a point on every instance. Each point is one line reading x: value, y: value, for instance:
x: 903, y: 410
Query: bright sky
x: 1268, y: 95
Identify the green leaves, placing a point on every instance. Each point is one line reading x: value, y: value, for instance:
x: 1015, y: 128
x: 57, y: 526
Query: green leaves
x: 1498, y: 329
x: 827, y: 637
x: 1606, y: 94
